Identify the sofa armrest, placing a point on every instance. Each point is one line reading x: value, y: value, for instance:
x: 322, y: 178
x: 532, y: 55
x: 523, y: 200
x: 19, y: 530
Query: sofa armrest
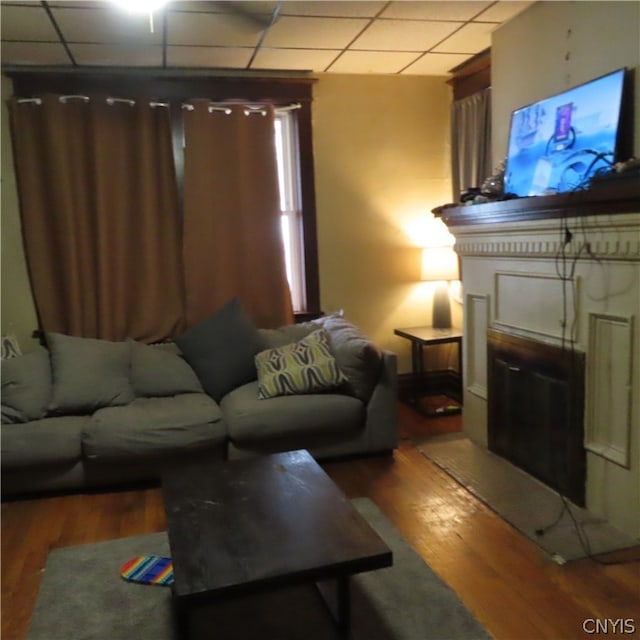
x: 382, y: 409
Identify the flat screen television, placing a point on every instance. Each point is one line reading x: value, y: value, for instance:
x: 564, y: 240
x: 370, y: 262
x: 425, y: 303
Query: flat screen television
x: 558, y: 144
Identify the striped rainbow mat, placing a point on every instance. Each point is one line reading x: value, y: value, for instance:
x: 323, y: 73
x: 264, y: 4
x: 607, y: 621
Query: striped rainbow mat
x: 148, y: 570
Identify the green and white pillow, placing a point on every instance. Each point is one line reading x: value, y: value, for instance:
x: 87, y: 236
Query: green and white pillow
x: 306, y: 366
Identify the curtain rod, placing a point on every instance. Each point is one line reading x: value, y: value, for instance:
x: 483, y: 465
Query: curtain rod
x: 110, y: 101
x: 224, y: 107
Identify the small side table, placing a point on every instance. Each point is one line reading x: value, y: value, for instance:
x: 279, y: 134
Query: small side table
x: 427, y: 336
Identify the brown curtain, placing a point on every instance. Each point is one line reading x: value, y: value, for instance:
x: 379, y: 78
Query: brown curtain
x: 99, y: 209
x: 232, y: 238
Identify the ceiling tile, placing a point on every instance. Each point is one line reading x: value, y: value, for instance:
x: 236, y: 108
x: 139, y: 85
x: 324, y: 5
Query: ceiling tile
x: 435, y: 64
x: 295, y: 59
x: 382, y: 36
x: 41, y: 53
x: 502, y: 11
x: 446, y: 10
x: 206, y: 29
x: 404, y: 35
x: 117, y: 55
x: 221, y: 57
x: 27, y: 23
x: 81, y: 4
x: 105, y: 26
x: 224, y: 6
x: 327, y: 9
x: 372, y: 61
x: 313, y: 33
x: 472, y: 38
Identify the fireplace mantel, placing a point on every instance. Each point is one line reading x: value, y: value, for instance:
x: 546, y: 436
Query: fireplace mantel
x: 622, y: 197
x: 563, y: 270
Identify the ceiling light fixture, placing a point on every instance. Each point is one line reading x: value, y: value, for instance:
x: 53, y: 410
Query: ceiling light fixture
x: 141, y: 6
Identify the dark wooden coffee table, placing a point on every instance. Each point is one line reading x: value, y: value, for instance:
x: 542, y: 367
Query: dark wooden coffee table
x: 260, y: 524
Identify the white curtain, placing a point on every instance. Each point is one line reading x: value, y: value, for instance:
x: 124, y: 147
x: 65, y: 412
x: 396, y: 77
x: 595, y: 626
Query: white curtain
x: 470, y: 141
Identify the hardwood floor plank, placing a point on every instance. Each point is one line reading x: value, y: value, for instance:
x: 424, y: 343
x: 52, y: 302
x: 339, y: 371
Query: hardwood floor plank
x: 513, y: 587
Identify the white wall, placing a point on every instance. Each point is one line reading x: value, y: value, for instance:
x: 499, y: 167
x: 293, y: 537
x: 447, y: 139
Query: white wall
x: 553, y: 46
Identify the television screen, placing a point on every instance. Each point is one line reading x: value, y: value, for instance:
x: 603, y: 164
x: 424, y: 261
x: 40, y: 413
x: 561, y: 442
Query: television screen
x: 559, y: 143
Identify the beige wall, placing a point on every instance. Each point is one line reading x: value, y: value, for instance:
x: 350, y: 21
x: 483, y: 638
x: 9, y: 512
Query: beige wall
x: 553, y: 46
x: 381, y: 148
x: 18, y: 313
x: 382, y: 163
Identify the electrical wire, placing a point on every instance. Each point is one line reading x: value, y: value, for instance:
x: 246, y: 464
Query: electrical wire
x: 565, y: 269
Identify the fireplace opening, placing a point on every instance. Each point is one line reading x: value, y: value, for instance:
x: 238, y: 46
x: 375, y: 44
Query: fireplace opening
x: 536, y: 406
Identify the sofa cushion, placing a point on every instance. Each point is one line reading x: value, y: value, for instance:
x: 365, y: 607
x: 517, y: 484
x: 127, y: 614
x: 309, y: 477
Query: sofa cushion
x: 358, y: 358
x: 221, y: 349
x: 88, y: 373
x: 48, y: 441
x: 306, y: 366
x: 26, y: 387
x: 154, y: 426
x: 157, y: 372
x: 274, y: 338
x: 250, y: 419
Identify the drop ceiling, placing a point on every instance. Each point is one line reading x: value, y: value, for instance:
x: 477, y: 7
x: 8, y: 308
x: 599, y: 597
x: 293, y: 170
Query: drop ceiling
x: 406, y: 37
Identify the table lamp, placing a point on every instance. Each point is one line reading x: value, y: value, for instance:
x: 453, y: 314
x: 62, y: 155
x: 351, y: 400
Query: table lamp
x: 440, y: 264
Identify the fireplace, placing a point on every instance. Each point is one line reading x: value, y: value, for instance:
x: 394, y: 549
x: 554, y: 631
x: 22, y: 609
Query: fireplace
x: 535, y: 270
x: 535, y: 410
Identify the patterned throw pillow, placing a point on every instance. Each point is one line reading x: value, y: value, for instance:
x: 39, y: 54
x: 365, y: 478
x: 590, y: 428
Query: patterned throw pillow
x: 306, y: 366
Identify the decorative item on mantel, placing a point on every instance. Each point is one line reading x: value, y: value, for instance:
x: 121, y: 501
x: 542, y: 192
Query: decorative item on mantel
x: 491, y: 190
x: 440, y: 265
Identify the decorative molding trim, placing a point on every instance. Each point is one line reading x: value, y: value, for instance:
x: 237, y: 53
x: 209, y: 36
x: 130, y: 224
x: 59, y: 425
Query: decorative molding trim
x: 615, y: 237
x: 609, y: 387
x: 476, y: 323
x: 546, y: 297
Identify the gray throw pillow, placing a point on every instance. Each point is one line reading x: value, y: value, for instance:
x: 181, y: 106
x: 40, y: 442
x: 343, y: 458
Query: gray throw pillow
x: 287, y: 334
x: 157, y: 372
x: 26, y: 387
x: 88, y: 374
x: 358, y: 358
x: 221, y: 349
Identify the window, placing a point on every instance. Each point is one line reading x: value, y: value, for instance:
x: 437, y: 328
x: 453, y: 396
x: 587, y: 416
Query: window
x: 294, y: 128
x: 290, y: 205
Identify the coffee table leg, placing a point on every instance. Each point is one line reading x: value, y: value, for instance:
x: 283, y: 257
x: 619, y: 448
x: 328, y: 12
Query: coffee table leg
x: 181, y: 619
x: 344, y: 606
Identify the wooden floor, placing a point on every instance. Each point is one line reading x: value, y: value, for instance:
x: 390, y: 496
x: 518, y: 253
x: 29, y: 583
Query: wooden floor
x: 514, y: 589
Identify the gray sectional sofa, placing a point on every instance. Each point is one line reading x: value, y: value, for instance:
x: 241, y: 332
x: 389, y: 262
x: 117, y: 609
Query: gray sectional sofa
x: 89, y: 413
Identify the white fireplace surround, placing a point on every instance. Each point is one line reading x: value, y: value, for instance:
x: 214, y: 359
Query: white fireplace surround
x: 564, y: 280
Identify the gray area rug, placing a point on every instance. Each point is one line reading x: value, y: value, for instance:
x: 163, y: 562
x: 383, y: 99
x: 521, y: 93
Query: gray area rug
x: 525, y: 502
x: 82, y: 597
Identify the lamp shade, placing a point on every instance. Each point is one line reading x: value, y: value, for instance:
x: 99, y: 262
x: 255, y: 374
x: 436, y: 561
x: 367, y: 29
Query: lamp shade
x: 439, y: 263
